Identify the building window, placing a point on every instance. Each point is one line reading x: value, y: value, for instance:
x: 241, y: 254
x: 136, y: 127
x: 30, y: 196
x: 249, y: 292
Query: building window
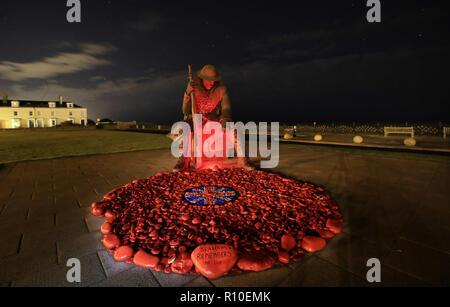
x: 39, y: 113
x: 15, y: 104
x: 15, y: 113
x: 53, y: 113
x: 16, y: 123
x: 51, y: 104
x: 70, y: 105
x: 31, y: 113
x: 70, y: 113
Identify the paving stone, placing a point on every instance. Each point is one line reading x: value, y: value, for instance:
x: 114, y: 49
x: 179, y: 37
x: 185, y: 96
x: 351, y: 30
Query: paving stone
x: 43, y: 188
x: 135, y: 277
x: 100, y: 186
x: 18, y: 266
x: 363, y: 223
x: 428, y: 232
x: 198, y: 282
x: 56, y: 275
x: 420, y: 262
x: 94, y: 223
x: 71, y: 231
x: 81, y: 245
x: 173, y: 279
x: 351, y: 253
x: 42, y: 201
x: 6, y: 190
x: 66, y: 202
x: 15, y: 210
x: 12, y: 226
x: 393, y: 278
x: 38, y: 241
x: 111, y: 266
x: 10, y: 244
x: 2, y: 206
x: 268, y: 278
x: 42, y: 217
x: 433, y: 208
x: 316, y: 272
x: 85, y: 200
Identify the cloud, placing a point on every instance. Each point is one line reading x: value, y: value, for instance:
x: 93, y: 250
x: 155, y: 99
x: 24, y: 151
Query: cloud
x: 86, y: 58
x: 97, y: 49
x: 120, y: 99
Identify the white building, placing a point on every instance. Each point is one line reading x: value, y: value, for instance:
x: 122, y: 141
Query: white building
x: 37, y: 114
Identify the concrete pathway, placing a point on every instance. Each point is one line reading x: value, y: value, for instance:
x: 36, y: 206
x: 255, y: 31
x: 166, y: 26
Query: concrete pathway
x: 396, y: 210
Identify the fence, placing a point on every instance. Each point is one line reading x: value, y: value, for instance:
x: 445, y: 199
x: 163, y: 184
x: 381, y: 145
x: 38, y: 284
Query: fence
x: 363, y: 128
x: 445, y: 131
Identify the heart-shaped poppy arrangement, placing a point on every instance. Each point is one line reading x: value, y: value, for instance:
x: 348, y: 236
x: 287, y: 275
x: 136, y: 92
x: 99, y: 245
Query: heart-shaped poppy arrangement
x: 216, y: 221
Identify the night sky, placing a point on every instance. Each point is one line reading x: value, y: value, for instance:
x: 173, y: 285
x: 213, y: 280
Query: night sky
x: 317, y: 60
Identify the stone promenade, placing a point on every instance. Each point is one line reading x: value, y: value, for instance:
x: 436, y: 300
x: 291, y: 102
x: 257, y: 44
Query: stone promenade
x: 396, y: 210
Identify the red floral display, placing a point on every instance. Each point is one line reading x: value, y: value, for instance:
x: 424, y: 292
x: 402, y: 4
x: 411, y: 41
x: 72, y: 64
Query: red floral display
x: 270, y: 217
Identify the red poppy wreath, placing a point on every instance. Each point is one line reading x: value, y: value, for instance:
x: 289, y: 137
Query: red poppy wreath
x: 216, y: 222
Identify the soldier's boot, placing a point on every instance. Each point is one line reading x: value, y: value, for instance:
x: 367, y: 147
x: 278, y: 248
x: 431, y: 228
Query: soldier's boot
x: 245, y: 163
x: 182, y: 164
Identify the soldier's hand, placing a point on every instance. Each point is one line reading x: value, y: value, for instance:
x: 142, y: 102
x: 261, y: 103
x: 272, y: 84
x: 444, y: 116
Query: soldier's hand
x: 188, y: 119
x: 191, y: 87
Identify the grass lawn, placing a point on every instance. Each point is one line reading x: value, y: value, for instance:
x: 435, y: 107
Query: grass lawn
x: 23, y: 145
x: 44, y: 144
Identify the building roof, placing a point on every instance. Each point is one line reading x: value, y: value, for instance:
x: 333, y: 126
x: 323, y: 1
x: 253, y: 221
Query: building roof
x: 37, y: 104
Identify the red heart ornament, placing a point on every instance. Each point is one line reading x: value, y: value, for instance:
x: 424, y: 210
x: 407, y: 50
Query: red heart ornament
x: 325, y: 233
x: 334, y: 225
x: 106, y: 228
x: 97, y: 211
x: 283, y: 256
x: 288, y: 242
x: 145, y: 259
x: 123, y: 253
x: 313, y: 244
x: 109, y: 215
x: 214, y: 260
x: 182, y: 264
x: 111, y: 241
x: 257, y: 261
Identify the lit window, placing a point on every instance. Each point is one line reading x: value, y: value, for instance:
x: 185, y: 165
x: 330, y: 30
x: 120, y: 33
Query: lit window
x: 51, y: 104
x: 14, y: 104
x: 16, y: 123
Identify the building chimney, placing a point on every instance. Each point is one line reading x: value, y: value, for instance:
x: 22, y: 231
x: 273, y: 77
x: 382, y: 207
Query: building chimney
x: 5, y: 98
x: 60, y: 99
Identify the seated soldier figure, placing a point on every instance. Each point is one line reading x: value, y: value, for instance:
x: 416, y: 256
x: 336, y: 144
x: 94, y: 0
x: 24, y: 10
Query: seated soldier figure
x: 213, y: 103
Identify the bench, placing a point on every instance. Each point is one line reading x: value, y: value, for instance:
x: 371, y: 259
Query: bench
x: 402, y: 130
x: 446, y: 130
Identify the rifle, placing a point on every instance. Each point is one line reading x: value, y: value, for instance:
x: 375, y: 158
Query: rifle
x: 193, y: 113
